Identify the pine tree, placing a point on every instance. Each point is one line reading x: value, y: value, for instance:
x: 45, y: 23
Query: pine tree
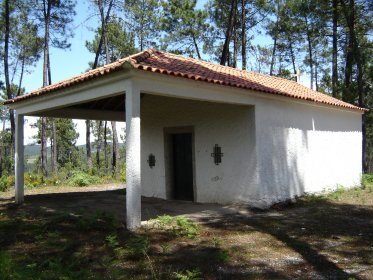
x: 185, y: 27
x: 142, y: 19
x: 55, y: 18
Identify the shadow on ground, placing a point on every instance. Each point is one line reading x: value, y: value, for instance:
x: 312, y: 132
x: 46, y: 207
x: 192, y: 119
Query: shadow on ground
x: 323, y: 240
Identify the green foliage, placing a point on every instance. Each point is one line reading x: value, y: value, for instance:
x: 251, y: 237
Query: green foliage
x: 194, y: 274
x: 367, y: 180
x: 164, y: 221
x: 112, y: 240
x: 138, y: 246
x: 33, y: 180
x: 7, y: 158
x: 337, y: 193
x: 98, y: 220
x: 122, y: 176
x: 82, y: 179
x: 7, y: 267
x: 66, y: 137
x: 53, y: 181
x: 120, y: 42
x: 221, y: 256
x: 184, y: 25
x: 6, y: 182
x: 143, y: 18
x: 178, y: 226
x: 185, y: 227
x: 57, y: 268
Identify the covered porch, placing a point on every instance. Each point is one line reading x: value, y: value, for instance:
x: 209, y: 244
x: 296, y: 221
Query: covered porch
x: 118, y: 97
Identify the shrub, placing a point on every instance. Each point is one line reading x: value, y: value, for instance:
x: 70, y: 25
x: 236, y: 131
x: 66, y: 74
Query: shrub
x: 122, y: 176
x: 53, y: 181
x: 81, y: 179
x: 367, y: 180
x: 4, y: 186
x: 33, y: 180
x: 11, y: 181
x: 106, y: 179
x: 138, y: 245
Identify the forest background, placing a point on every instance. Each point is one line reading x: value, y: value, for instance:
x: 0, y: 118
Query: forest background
x: 328, y: 42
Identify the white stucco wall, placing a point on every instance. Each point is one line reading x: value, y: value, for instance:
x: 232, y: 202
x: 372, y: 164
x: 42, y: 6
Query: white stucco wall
x: 230, y: 126
x: 274, y: 149
x: 305, y: 148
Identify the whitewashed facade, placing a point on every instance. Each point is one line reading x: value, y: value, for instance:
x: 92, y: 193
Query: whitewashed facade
x: 274, y: 149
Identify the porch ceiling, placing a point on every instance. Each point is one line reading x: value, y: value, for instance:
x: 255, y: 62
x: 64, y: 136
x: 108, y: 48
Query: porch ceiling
x: 109, y: 108
x: 115, y: 103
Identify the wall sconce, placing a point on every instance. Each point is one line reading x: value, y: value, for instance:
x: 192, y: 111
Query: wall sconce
x: 217, y: 154
x: 151, y: 160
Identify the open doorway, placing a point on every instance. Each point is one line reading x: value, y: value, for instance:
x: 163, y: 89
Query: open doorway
x: 179, y: 164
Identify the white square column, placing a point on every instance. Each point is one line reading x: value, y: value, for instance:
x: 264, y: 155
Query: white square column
x: 133, y: 158
x: 19, y: 160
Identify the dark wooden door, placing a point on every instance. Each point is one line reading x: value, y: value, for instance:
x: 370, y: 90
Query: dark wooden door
x: 183, y: 166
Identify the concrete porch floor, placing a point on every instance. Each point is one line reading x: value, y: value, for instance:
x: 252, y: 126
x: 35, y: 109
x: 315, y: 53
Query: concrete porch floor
x: 111, y: 199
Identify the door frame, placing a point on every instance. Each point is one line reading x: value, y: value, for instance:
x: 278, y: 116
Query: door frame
x: 168, y: 159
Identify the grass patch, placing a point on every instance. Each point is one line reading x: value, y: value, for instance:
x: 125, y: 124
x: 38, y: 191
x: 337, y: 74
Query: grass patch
x: 177, y: 226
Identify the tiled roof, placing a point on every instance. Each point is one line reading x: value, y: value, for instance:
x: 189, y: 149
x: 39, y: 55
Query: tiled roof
x: 180, y: 66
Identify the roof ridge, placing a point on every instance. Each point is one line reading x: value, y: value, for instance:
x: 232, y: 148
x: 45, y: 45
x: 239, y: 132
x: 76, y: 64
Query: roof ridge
x: 178, y: 65
x: 141, y: 56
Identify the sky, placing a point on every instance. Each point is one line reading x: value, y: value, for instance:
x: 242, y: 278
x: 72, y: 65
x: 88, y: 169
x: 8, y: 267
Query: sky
x: 73, y: 61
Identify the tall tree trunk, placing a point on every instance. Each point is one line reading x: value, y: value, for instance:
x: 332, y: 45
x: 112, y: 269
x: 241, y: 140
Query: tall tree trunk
x: 225, y: 52
x: 355, y: 54
x: 335, y: 49
x: 49, y: 69
x: 88, y: 144
x: 274, y: 49
x: 98, y: 148
x: 196, y: 46
x: 6, y: 71
x: 104, y: 20
x: 316, y: 77
x: 52, y: 155
x: 243, y: 35
x: 55, y: 143
x: 47, y: 9
x: 309, y: 43
x: 21, y: 77
x: 275, y: 41
x: 54, y: 129
x: 116, y: 154
x: 235, y: 48
x: 273, y: 56
x: 105, y: 146
x: 43, y: 146
x: 292, y: 56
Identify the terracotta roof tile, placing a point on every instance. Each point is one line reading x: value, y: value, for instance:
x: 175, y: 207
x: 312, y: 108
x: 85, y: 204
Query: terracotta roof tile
x: 180, y: 66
